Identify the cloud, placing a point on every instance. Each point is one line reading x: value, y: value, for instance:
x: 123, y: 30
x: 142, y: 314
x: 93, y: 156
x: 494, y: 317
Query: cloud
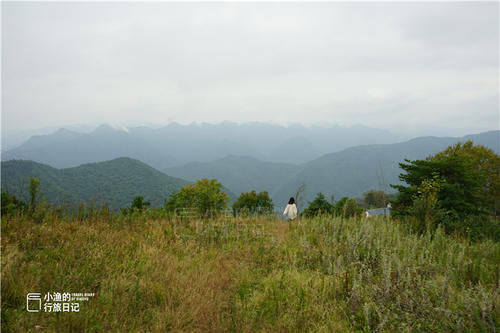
x: 391, y: 65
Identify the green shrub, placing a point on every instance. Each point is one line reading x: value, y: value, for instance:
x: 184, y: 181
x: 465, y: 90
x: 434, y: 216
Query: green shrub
x: 252, y: 203
x: 205, y: 196
x: 11, y: 205
x: 319, y: 206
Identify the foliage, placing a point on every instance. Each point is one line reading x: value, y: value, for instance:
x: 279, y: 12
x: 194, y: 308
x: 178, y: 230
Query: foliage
x: 206, y: 196
x: 33, y: 190
x: 450, y: 187
x: 425, y: 207
x: 319, y: 206
x: 339, y: 206
x: 351, y: 209
x: 253, y: 203
x: 115, y: 182
x: 138, y: 205
x: 483, y: 161
x: 10, y: 204
x: 459, y: 191
x: 247, y: 275
x: 375, y: 199
x: 347, y: 207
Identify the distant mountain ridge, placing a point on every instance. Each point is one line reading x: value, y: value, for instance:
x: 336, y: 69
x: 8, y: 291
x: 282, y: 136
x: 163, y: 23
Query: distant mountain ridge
x: 116, y: 182
x: 238, y: 173
x: 175, y: 144
x: 347, y: 173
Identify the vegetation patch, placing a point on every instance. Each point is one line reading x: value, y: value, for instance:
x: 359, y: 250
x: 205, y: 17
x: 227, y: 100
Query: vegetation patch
x: 248, y: 274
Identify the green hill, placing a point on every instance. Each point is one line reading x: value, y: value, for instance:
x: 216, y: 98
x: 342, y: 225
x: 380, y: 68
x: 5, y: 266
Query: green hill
x: 347, y: 173
x: 117, y: 182
x: 356, y: 170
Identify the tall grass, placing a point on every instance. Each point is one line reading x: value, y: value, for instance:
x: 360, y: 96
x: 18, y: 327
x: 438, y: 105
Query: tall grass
x: 246, y: 275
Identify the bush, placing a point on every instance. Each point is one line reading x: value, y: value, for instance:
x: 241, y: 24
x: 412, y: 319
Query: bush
x: 319, y: 206
x: 138, y: 205
x: 205, y: 196
x: 347, y: 207
x: 351, y: 209
x: 252, y: 203
x: 10, y: 204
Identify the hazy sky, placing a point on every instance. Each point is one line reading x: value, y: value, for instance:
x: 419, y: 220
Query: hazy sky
x: 401, y: 66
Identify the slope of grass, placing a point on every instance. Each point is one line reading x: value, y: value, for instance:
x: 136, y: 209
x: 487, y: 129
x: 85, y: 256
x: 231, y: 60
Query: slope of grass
x: 246, y: 275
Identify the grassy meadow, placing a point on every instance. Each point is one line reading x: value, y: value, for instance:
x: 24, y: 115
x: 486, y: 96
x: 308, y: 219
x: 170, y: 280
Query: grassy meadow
x: 247, y: 275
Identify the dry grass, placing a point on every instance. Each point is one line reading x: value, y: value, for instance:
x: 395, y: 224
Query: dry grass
x: 246, y: 275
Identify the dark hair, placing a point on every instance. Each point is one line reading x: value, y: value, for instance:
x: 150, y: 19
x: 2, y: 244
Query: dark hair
x: 291, y: 201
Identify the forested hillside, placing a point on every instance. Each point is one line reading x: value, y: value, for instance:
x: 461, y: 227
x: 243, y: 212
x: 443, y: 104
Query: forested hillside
x: 117, y: 182
x: 347, y: 173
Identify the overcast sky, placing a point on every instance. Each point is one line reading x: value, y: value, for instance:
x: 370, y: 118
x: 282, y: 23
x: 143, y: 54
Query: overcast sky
x: 402, y: 66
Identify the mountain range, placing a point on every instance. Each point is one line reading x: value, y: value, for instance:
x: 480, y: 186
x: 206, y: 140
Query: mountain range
x: 176, y: 144
x: 348, y: 172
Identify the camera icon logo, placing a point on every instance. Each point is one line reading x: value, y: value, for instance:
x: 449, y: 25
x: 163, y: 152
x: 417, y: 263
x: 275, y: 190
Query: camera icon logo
x: 34, y: 302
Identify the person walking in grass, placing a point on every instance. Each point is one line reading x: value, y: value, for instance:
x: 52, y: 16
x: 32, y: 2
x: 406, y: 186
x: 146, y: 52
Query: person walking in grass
x: 291, y: 210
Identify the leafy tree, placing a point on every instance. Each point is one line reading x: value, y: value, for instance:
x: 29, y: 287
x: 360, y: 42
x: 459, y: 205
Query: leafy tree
x: 319, y: 206
x: 375, y: 199
x: 10, y: 204
x: 351, y: 209
x: 139, y: 203
x: 339, y: 206
x: 483, y: 161
x: 347, y: 207
x: 253, y: 203
x: 459, y: 192
x: 457, y: 185
x: 33, y: 188
x: 206, y: 196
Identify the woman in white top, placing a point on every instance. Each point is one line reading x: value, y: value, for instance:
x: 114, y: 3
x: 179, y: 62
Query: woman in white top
x: 291, y: 209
